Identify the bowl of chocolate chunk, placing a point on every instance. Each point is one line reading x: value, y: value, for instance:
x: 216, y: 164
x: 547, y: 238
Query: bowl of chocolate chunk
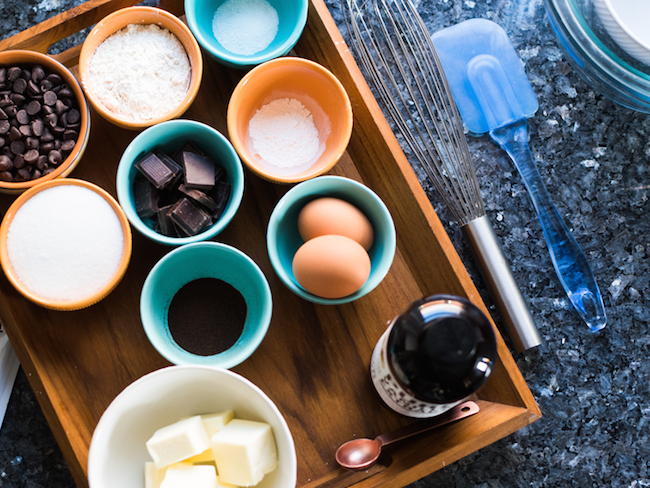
x: 190, y: 427
x: 44, y: 120
x: 180, y: 181
x: 206, y: 303
x: 140, y: 66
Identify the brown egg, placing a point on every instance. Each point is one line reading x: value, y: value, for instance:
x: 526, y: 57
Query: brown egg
x: 331, y: 266
x: 326, y: 215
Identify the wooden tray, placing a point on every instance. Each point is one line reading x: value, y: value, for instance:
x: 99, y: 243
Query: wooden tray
x: 314, y: 361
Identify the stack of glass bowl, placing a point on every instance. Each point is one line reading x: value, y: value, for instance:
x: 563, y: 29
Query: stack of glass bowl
x: 596, y: 56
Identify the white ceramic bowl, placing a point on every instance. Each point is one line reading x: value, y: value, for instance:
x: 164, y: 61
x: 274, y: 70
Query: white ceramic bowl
x: 117, y: 449
x: 628, y: 22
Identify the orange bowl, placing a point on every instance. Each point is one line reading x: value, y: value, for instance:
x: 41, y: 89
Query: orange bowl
x: 317, y: 89
x: 141, y: 15
x: 29, y: 58
x: 108, y: 284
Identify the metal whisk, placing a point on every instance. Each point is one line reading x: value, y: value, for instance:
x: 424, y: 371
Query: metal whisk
x: 394, y: 49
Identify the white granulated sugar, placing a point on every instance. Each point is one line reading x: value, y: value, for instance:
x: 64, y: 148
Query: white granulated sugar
x: 141, y: 72
x: 65, y: 243
x: 245, y: 26
x: 283, y: 133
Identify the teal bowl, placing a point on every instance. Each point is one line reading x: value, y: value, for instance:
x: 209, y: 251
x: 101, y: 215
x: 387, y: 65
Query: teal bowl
x: 170, y: 136
x: 292, y: 17
x: 283, y: 239
x: 205, y: 260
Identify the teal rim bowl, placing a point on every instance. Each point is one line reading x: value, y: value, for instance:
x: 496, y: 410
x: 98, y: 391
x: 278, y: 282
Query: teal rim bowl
x: 205, y: 260
x: 292, y: 16
x: 170, y: 136
x: 283, y: 239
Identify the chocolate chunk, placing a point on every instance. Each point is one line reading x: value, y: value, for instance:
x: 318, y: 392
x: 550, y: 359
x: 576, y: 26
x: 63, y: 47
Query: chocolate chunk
x: 155, y: 170
x: 199, y: 171
x: 164, y: 224
x: 145, y: 196
x: 199, y: 197
x: 189, y: 146
x: 220, y: 195
x: 188, y: 217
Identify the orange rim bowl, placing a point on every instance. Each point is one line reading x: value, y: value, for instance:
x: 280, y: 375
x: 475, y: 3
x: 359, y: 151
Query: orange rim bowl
x: 141, y: 15
x: 24, y: 57
x: 69, y: 304
x: 316, y: 88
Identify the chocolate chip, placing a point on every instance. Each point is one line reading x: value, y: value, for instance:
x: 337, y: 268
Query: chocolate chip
x: 20, y: 85
x: 25, y: 130
x: 47, y: 147
x: 27, y: 74
x: 68, y: 145
x: 37, y: 127
x: 22, y: 117
x: 3, y: 75
x: 36, y: 174
x: 47, y: 135
x: 58, y: 131
x: 33, y: 107
x: 60, y: 108
x: 17, y: 98
x: 70, y: 135
x: 50, y: 98
x: 55, y: 158
x: 19, y: 161
x: 6, y: 176
x: 33, y: 89
x: 38, y: 74
x: 51, y: 120
x: 14, y: 73
x: 2, y: 141
x: 17, y: 147
x: 14, y: 134
x: 73, y: 116
x: 6, y: 101
x: 32, y: 143
x: 4, y: 126
x: 65, y: 92
x: 41, y: 163
x: 46, y: 85
x: 3, y: 115
x: 54, y: 78
x: 31, y: 156
x: 57, y: 144
x: 11, y: 110
x: 24, y: 174
x: 47, y: 110
x: 5, y: 163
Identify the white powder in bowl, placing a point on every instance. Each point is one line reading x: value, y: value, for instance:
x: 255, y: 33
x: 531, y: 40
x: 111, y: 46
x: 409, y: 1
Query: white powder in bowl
x: 65, y: 243
x: 141, y: 72
x: 283, y: 133
x: 245, y: 26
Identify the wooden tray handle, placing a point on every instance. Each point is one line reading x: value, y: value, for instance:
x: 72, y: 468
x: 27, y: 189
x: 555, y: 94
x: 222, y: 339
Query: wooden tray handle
x: 40, y: 37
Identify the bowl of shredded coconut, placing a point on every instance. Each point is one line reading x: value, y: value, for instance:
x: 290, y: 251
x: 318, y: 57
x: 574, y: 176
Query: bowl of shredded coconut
x: 290, y: 119
x: 140, y: 66
x: 245, y: 33
x: 65, y: 244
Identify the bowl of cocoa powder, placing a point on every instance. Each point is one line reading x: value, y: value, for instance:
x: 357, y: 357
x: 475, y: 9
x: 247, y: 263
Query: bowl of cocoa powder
x: 206, y: 303
x: 44, y: 120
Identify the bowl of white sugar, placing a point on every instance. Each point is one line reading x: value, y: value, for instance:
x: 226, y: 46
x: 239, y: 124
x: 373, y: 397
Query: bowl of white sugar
x: 65, y: 244
x: 245, y: 33
x: 140, y: 66
x: 290, y: 119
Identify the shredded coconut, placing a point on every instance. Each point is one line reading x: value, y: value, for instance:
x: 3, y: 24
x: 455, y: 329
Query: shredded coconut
x: 245, y: 26
x: 65, y: 243
x: 141, y: 72
x: 283, y: 133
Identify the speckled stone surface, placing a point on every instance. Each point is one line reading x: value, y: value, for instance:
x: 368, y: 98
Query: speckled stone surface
x: 593, y: 389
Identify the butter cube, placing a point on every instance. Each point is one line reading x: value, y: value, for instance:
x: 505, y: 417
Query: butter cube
x: 154, y: 476
x: 216, y: 421
x: 206, y: 457
x: 244, y: 451
x: 178, y: 441
x: 194, y: 476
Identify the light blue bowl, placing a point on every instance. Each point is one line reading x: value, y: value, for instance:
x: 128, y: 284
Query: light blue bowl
x: 205, y: 260
x: 169, y: 137
x: 283, y: 239
x: 292, y: 16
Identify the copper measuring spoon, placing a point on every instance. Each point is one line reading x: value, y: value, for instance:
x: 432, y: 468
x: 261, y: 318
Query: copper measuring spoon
x: 362, y: 453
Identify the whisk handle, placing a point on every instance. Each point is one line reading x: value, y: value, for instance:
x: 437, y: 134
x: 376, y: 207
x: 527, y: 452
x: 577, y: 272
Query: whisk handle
x: 501, y: 283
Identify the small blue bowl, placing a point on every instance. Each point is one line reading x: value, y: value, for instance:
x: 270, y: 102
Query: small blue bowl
x: 205, y: 260
x: 283, y: 239
x: 292, y: 17
x: 168, y: 137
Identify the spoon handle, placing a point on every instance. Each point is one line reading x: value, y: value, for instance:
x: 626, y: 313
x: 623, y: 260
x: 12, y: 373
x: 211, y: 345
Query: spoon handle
x: 458, y: 412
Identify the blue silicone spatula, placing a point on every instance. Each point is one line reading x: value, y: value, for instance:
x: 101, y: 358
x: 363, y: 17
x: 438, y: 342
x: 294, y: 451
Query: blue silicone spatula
x: 493, y: 95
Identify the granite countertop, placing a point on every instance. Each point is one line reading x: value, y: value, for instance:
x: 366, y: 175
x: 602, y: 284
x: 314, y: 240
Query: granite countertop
x: 592, y: 388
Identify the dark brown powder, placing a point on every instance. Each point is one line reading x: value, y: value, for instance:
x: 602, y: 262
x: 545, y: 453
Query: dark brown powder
x: 207, y: 316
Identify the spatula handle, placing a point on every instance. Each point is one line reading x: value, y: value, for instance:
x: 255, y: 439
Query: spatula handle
x: 568, y: 258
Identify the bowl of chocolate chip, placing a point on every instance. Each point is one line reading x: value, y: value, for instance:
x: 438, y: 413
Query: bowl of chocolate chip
x: 44, y: 120
x: 206, y: 303
x: 179, y: 182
